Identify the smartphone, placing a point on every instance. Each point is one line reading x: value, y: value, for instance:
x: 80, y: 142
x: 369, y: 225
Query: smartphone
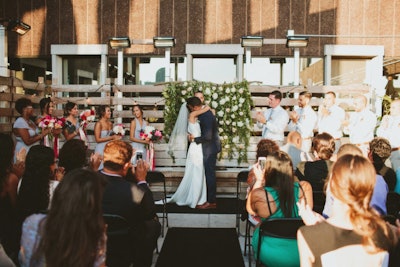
x: 261, y: 162
x: 139, y: 156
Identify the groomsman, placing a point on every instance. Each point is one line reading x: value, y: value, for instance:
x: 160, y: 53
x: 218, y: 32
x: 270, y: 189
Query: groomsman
x: 390, y: 129
x: 330, y: 118
x: 304, y: 120
x: 361, y: 124
x: 274, y: 120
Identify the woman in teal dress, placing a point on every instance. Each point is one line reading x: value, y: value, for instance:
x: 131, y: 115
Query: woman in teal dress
x: 275, y: 184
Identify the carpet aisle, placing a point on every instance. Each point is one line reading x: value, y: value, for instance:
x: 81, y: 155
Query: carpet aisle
x: 201, y: 247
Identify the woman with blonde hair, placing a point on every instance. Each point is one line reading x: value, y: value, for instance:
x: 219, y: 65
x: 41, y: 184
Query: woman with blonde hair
x: 354, y: 234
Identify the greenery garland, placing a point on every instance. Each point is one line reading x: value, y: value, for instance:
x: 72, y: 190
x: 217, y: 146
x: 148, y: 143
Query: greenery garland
x: 232, y: 104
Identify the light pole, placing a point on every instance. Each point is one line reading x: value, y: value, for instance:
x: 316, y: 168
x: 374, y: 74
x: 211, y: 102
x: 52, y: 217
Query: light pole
x: 120, y: 43
x: 167, y: 43
x: 14, y: 25
x: 249, y: 42
x: 296, y: 42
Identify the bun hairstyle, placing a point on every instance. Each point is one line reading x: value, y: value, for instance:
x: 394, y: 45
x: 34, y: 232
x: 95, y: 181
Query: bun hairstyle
x: 324, y: 145
x: 44, y: 104
x: 352, y: 182
x: 101, y: 111
x: 68, y: 107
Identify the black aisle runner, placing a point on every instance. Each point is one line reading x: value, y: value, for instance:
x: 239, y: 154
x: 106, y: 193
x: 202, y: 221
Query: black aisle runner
x: 205, y: 247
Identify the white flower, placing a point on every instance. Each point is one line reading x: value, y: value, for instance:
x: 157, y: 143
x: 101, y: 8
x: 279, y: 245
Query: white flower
x: 241, y: 100
x: 183, y: 92
x: 189, y: 88
x: 240, y: 124
x: 233, y: 89
x: 241, y: 91
x: 220, y: 130
x: 207, y: 91
x: 234, y: 123
x: 241, y: 113
x: 214, y: 104
x: 227, y: 90
x: 228, y: 110
x: 228, y: 122
x: 220, y: 88
x: 221, y: 123
x: 225, y: 137
x: 227, y: 146
x: 233, y: 130
x: 233, y: 116
x: 220, y: 113
x: 222, y: 102
x: 215, y: 96
x: 234, y: 108
x: 213, y: 88
x: 184, y: 84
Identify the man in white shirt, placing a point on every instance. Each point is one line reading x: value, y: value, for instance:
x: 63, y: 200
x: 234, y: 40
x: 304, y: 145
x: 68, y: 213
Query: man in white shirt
x: 330, y: 118
x: 361, y: 124
x: 274, y: 120
x: 304, y: 120
x: 390, y: 129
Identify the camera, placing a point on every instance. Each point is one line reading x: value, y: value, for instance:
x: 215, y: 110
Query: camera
x: 261, y: 162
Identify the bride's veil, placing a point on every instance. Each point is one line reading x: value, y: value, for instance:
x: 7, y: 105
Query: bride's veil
x: 178, y: 139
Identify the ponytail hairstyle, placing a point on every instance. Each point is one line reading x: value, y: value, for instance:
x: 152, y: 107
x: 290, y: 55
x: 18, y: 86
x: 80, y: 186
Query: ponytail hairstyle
x: 352, y: 182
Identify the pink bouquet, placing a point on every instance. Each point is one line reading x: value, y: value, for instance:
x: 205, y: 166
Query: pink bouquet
x: 149, y: 132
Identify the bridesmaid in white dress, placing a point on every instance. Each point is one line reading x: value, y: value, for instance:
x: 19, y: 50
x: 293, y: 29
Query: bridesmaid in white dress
x: 193, y: 189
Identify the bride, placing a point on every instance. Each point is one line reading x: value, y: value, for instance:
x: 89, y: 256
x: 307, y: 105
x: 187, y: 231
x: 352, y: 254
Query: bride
x: 193, y: 189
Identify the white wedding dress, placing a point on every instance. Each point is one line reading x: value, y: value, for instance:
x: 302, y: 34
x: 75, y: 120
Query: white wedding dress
x: 192, y: 190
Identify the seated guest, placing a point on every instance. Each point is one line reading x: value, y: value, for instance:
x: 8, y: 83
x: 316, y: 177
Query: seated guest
x: 275, y: 195
x: 355, y: 234
x: 8, y: 197
x: 316, y: 172
x: 72, y: 155
x: 379, y: 195
x: 133, y: 201
x: 73, y: 232
x: 379, y: 152
x: 293, y: 148
x: 38, y: 181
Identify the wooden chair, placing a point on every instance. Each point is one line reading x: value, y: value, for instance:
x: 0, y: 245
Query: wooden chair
x: 156, y: 181
x: 279, y: 228
x: 119, y: 241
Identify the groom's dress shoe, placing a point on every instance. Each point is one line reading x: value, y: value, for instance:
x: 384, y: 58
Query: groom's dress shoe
x: 207, y: 205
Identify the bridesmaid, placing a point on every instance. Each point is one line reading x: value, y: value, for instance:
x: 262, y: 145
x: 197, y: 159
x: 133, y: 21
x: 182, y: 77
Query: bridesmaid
x: 103, y: 129
x: 46, y: 109
x: 138, y: 124
x: 72, y: 126
x: 27, y: 134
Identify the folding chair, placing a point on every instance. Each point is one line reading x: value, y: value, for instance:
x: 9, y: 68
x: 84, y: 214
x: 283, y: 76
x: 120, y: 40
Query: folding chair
x: 156, y: 181
x: 279, y: 228
x: 241, y: 193
x: 119, y: 241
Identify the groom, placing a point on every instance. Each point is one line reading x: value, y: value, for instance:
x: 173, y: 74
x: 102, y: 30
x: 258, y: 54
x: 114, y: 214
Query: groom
x: 211, y: 146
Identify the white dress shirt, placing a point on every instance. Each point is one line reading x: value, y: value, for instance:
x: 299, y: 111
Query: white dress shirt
x: 306, y: 123
x: 391, y: 131
x: 277, y: 120
x: 361, y: 126
x: 331, y: 123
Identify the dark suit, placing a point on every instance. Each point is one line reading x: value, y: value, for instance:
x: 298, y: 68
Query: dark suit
x: 136, y: 204
x: 211, y: 146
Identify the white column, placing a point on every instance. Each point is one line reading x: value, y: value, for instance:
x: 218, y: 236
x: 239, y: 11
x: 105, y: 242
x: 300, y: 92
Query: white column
x: 239, y: 67
x: 3, y: 52
x: 120, y: 78
x: 327, y: 69
x: 167, y: 77
x: 296, y: 52
x: 248, y: 61
x: 189, y: 67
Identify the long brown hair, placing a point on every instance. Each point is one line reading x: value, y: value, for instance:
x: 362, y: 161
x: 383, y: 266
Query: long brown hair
x: 352, y: 182
x: 279, y: 175
x: 74, y: 227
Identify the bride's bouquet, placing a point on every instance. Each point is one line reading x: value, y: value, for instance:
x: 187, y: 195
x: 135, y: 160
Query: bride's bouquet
x: 119, y: 129
x: 149, y: 132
